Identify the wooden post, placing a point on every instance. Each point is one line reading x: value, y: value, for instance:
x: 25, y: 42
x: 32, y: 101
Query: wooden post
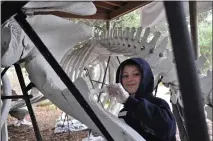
x: 193, y: 26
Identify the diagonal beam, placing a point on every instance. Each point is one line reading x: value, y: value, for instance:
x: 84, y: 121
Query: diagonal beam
x: 104, y: 5
x: 115, y: 3
x: 27, y: 101
x: 20, y: 18
x: 9, y: 8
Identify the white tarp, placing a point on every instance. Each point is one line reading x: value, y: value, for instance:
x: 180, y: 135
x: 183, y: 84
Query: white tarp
x: 71, y: 125
x: 154, y: 13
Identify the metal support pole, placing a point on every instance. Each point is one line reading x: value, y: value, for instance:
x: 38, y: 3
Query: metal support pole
x: 187, y: 74
x: 89, y: 77
x: 30, y: 86
x: 193, y: 26
x: 15, y: 97
x: 177, y: 111
x: 118, y: 60
x: 99, y: 82
x: 20, y: 18
x: 107, y: 25
x: 102, y: 85
x: 90, y: 130
x: 105, y: 72
x: 9, y: 8
x: 4, y: 71
x: 28, y: 103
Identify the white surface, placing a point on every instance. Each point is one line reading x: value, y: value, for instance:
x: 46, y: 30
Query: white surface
x: 154, y: 13
x: 5, y: 104
x: 72, y: 125
x: 60, y: 35
x: 164, y: 93
x: 5, y: 107
x: 14, y: 48
x: 73, y: 7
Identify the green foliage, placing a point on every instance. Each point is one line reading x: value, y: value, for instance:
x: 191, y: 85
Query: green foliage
x: 205, y: 37
x: 131, y: 19
x: 204, y: 21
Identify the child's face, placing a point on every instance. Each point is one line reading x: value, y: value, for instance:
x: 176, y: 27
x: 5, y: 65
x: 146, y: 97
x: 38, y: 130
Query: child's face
x: 131, y: 78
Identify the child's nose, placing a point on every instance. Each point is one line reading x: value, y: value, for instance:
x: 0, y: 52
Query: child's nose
x: 130, y: 78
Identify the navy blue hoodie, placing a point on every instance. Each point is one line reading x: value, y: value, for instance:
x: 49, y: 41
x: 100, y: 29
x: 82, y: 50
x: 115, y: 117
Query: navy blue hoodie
x: 150, y: 116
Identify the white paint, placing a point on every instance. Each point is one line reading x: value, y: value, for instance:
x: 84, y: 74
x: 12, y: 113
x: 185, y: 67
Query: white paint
x: 60, y: 35
x: 73, y: 7
x: 14, y: 48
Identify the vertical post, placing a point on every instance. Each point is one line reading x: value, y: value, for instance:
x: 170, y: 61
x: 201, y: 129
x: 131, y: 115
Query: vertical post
x: 187, y: 73
x: 28, y: 103
x: 108, y: 25
x: 102, y: 85
x: 193, y: 26
x: 90, y: 79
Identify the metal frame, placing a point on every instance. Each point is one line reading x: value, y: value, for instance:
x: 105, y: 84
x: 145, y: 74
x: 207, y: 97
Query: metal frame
x: 14, y: 6
x: 15, y: 97
x: 25, y: 96
x: 4, y: 71
x: 178, y: 110
x: 29, y: 87
x: 193, y: 23
x: 196, y: 125
x: 189, y: 86
x: 87, y: 73
x: 20, y: 18
x: 28, y: 103
x: 105, y: 72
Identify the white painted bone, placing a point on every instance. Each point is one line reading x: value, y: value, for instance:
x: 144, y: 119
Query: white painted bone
x: 5, y: 107
x: 77, y: 8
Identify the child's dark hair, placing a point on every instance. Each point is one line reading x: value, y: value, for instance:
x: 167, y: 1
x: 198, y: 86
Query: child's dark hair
x: 129, y: 63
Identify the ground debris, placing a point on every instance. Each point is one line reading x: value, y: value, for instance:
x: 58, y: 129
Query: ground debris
x: 46, y: 118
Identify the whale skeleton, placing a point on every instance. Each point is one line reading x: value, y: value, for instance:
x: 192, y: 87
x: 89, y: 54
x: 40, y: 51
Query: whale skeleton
x: 87, y: 64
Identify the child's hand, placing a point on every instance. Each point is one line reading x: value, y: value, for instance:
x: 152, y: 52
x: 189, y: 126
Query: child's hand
x: 117, y: 90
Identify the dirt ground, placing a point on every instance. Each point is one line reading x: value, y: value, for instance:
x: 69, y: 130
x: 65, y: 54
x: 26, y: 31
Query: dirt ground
x: 46, y: 117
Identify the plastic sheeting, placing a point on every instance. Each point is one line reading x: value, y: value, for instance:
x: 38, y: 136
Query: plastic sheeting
x: 71, y: 125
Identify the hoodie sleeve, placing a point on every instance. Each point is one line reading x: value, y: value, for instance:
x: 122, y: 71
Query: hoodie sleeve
x: 157, y: 118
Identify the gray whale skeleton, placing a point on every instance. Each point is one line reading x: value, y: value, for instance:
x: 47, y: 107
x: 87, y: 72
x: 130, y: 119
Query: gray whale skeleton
x: 182, y: 47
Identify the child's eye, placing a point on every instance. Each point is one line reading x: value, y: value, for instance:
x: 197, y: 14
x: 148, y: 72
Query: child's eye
x: 125, y: 76
x: 137, y: 74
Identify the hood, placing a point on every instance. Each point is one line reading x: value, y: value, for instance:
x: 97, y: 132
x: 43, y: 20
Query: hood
x: 147, y: 79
